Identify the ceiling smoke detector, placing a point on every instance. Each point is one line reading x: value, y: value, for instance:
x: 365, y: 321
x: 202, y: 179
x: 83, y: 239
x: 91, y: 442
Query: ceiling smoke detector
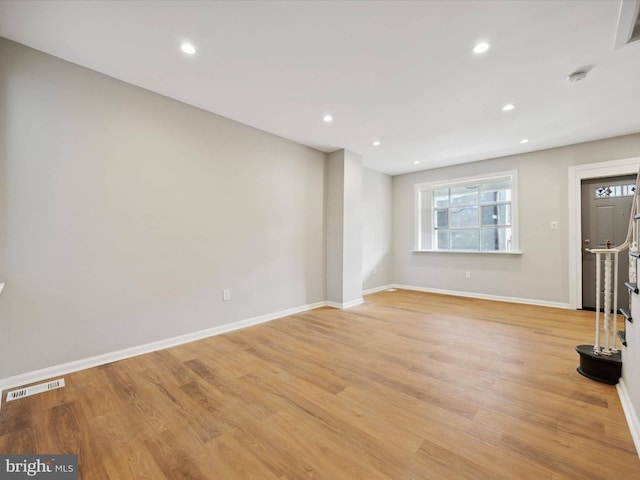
x: 577, y: 76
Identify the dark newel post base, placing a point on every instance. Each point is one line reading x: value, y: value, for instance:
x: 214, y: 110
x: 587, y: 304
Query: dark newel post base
x: 602, y: 368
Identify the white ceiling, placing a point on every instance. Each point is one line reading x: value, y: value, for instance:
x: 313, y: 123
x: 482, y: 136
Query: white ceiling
x: 401, y: 72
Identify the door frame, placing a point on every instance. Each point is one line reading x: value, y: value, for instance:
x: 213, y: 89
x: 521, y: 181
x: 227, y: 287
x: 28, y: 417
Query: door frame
x: 577, y: 173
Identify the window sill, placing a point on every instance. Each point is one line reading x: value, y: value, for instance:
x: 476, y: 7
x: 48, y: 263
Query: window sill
x: 517, y: 252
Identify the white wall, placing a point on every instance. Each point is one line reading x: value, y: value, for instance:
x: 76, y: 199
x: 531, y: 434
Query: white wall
x: 123, y: 215
x: 540, y: 274
x: 376, y: 231
x: 630, y: 384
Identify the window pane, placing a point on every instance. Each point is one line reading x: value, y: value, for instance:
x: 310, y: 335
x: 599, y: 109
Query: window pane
x: 495, y: 239
x: 464, y: 240
x: 615, y: 191
x: 497, y: 191
x: 496, y: 215
x: 473, y: 215
x: 467, y: 195
x: 441, y: 198
x: 442, y: 218
x: 442, y: 240
x: 463, y: 217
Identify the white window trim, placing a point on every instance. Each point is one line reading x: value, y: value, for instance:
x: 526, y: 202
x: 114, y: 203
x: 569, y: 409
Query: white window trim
x: 430, y: 186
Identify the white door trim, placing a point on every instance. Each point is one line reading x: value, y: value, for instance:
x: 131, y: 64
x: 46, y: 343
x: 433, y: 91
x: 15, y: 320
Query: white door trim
x: 626, y: 166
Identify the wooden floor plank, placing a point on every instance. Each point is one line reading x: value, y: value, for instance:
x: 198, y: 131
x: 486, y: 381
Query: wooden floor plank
x: 408, y: 385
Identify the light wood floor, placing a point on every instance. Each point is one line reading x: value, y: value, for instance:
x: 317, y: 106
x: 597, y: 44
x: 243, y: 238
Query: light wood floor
x: 407, y: 386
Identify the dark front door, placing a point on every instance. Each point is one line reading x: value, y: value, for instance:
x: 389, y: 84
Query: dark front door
x: 606, y: 207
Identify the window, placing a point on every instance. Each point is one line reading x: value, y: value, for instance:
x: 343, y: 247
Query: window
x: 471, y: 215
x: 615, y: 191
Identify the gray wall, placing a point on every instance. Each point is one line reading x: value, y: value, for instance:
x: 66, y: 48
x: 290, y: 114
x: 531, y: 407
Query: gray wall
x: 123, y: 215
x: 334, y: 227
x: 376, y: 231
x: 541, y: 273
x: 352, y: 246
x: 343, y: 213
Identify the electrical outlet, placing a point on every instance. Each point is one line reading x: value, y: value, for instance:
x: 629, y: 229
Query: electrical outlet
x: 554, y: 224
x: 226, y: 295
x: 467, y: 274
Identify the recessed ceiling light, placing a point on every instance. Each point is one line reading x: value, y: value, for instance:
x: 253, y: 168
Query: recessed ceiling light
x: 416, y: 162
x: 188, y: 48
x: 481, y: 47
x: 327, y: 118
x: 577, y: 76
x: 376, y: 143
x: 524, y: 140
x: 508, y: 106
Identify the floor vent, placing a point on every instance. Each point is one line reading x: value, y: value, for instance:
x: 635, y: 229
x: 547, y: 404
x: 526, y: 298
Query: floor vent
x: 35, y: 389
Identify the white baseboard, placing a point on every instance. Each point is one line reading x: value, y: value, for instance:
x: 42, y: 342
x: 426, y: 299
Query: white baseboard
x: 350, y: 304
x: 376, y: 289
x: 484, y: 296
x: 633, y: 420
x: 66, y: 368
